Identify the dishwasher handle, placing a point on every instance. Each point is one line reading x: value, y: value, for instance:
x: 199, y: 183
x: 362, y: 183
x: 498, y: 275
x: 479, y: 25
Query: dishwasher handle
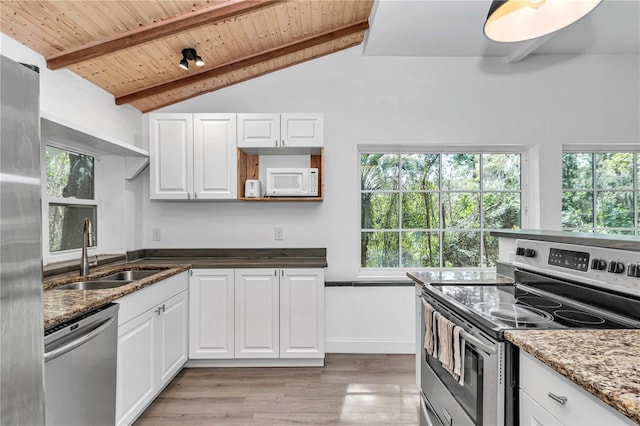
x: 79, y: 341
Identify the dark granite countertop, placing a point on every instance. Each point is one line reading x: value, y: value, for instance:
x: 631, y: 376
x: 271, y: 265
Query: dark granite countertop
x: 621, y: 242
x: 466, y: 277
x: 606, y: 363
x: 62, y: 305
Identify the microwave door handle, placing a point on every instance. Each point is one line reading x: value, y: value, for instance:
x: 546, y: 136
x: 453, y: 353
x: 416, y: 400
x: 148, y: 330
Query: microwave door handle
x: 471, y: 339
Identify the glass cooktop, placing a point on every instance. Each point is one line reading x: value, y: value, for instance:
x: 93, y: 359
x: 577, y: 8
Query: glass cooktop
x: 510, y: 306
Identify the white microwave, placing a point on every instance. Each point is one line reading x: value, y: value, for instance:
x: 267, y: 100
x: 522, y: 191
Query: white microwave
x: 292, y: 182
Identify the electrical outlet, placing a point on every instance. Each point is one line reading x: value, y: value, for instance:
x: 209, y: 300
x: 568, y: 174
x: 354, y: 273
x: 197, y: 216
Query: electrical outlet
x: 155, y: 234
x: 279, y: 233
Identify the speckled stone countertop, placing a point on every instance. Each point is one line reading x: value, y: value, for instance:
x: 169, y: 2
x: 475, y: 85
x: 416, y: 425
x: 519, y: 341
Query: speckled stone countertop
x: 463, y: 277
x: 62, y: 305
x: 606, y: 363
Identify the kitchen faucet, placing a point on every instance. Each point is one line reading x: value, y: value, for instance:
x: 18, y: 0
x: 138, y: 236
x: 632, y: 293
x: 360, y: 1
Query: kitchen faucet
x: 87, y: 241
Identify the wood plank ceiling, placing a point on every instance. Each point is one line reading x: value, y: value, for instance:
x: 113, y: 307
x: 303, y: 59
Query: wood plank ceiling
x: 132, y: 49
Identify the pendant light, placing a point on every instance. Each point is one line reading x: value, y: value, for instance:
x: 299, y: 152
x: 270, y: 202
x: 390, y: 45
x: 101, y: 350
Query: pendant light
x: 520, y: 20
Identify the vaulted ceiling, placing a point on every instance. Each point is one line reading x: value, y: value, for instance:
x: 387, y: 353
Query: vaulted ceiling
x: 132, y: 48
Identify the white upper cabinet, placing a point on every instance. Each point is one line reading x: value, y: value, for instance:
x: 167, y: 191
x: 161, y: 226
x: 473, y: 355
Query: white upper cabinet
x: 215, y: 170
x: 303, y: 130
x: 258, y: 130
x: 171, y: 156
x: 193, y: 156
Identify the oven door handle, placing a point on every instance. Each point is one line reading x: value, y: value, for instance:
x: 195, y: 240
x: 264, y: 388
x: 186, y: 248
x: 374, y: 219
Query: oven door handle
x: 477, y: 343
x: 470, y: 338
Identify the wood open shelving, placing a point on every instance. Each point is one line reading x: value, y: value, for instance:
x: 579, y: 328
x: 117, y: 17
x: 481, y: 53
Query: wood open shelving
x: 249, y: 168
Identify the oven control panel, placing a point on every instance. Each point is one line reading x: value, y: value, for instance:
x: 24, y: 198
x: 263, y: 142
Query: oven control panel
x: 610, y: 268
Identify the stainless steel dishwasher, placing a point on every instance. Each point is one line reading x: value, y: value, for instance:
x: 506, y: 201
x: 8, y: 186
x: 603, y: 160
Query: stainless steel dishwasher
x: 80, y: 370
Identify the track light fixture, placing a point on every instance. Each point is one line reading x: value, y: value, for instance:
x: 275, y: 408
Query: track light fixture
x: 190, y: 54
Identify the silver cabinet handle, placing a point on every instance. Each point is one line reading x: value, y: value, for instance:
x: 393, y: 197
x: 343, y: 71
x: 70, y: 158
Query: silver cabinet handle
x: 276, y: 142
x: 275, y: 272
x: 282, y: 142
x: 195, y: 195
x: 160, y: 309
x: 188, y: 195
x: 559, y: 399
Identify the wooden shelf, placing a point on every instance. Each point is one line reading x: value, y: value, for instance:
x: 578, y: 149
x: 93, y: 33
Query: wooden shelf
x: 249, y: 168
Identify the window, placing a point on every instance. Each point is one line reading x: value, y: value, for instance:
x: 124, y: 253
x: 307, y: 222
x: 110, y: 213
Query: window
x: 428, y: 210
x: 600, y: 192
x: 70, y: 196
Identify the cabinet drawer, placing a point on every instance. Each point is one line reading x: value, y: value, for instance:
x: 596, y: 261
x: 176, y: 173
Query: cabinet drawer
x: 580, y: 408
x: 134, y: 304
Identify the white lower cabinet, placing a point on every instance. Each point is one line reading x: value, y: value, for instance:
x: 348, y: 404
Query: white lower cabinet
x: 257, y: 314
x: 152, y: 344
x: 211, y: 314
x: 548, y: 398
x: 257, y: 305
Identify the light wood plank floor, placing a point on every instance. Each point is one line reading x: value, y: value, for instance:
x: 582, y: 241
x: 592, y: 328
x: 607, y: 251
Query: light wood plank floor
x: 351, y: 389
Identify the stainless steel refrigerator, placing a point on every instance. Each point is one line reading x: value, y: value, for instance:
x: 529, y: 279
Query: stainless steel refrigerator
x: 21, y: 310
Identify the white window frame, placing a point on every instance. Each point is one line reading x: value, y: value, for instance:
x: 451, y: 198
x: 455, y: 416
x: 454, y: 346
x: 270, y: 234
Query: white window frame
x: 400, y: 272
x: 71, y: 254
x: 608, y: 149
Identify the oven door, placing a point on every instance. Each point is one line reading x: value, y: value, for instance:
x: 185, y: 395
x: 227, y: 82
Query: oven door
x: 479, y: 400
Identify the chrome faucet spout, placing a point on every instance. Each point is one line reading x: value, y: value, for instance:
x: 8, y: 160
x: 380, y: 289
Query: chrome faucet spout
x: 87, y: 241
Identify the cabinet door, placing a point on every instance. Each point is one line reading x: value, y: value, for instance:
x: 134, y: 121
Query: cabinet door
x: 135, y: 376
x: 211, y: 320
x: 258, y: 130
x: 302, y: 313
x: 256, y: 313
x: 171, y: 156
x: 302, y: 130
x: 532, y: 414
x: 171, y: 338
x: 215, y: 169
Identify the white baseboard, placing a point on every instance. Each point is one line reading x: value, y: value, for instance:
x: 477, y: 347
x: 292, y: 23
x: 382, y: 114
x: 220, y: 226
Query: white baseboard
x: 370, y: 346
x: 265, y: 362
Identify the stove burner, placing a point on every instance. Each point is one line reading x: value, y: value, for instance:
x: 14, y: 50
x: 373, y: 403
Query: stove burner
x: 512, y: 313
x: 538, y: 302
x: 579, y: 317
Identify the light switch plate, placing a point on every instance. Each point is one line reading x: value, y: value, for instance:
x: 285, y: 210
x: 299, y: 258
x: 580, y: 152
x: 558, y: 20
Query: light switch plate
x: 278, y: 233
x: 155, y: 234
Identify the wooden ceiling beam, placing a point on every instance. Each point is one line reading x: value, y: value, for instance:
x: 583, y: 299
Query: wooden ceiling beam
x: 245, y: 62
x: 155, y: 31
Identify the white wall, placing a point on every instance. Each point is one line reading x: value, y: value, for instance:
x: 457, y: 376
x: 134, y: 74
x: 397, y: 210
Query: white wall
x: 539, y: 104
x: 73, y: 101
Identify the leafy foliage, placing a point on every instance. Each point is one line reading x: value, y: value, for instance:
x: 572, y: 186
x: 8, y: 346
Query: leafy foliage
x: 598, y: 192
x: 435, y: 210
x: 69, y: 175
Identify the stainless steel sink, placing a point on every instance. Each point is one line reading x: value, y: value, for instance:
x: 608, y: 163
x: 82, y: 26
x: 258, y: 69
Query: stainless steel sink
x: 94, y: 285
x: 132, y: 275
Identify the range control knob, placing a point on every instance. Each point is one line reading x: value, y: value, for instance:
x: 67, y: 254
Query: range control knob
x: 520, y: 251
x: 633, y: 270
x: 599, y: 264
x: 529, y: 253
x: 616, y: 267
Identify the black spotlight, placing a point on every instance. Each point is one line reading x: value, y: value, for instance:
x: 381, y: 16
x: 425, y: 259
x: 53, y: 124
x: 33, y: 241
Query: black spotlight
x: 190, y: 54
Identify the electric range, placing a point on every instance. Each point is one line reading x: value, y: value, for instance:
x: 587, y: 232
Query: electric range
x: 556, y: 286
